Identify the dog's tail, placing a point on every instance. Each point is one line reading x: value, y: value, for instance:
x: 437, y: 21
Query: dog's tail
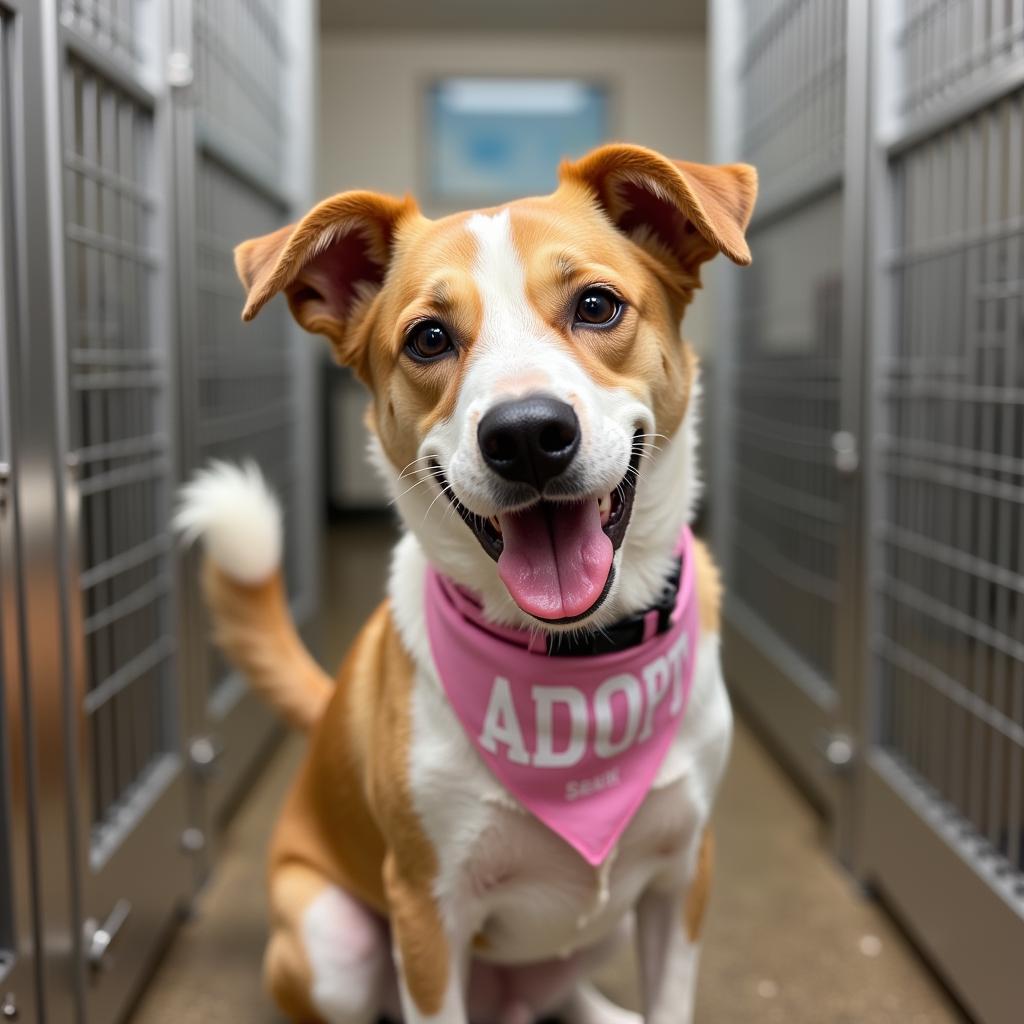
x: 237, y: 517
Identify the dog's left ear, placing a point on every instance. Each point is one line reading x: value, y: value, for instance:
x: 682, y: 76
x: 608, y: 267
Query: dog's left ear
x: 684, y: 213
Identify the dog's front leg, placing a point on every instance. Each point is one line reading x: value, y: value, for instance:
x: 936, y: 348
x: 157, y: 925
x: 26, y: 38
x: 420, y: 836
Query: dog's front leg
x: 431, y: 956
x: 669, y: 918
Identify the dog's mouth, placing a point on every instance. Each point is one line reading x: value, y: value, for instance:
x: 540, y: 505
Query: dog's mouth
x: 555, y: 557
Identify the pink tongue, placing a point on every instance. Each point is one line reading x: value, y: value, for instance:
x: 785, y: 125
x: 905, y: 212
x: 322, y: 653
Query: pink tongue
x: 556, y: 558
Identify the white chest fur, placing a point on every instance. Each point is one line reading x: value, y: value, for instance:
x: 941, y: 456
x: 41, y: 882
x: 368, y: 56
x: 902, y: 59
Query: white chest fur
x: 517, y: 883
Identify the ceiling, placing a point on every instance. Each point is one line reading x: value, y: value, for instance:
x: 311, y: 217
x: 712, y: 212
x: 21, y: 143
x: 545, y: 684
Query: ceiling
x: 515, y: 15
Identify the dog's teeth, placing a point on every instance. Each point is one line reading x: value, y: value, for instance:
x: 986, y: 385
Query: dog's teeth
x: 496, y: 524
x: 604, y: 505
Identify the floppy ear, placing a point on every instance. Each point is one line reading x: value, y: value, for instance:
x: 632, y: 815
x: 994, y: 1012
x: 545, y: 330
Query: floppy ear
x: 329, y: 265
x: 683, y: 213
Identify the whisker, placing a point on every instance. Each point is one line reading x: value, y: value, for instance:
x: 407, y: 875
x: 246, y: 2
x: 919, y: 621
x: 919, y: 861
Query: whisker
x: 416, y: 472
x: 422, y: 458
x: 432, y: 474
x: 439, y: 494
x: 409, y: 490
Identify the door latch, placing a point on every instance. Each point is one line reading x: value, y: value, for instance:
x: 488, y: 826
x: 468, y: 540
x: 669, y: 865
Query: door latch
x: 180, y: 72
x: 100, y: 937
x: 845, y: 454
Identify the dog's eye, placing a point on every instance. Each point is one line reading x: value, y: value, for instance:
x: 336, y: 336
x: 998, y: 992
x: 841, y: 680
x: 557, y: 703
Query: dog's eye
x: 597, y: 307
x: 428, y: 341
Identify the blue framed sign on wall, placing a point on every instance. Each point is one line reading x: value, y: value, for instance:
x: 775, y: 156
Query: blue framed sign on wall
x: 494, y: 139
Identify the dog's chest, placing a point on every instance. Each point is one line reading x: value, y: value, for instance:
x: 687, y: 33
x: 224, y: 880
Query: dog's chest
x: 527, y: 892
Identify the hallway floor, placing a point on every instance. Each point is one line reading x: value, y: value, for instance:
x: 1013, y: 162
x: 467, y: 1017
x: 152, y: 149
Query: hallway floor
x: 790, y: 939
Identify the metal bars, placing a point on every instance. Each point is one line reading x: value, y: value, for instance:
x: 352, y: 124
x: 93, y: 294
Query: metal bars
x: 950, y: 645
x: 784, y: 505
x: 793, y: 90
x: 111, y: 25
x: 917, y: 626
x: 246, y: 389
x: 246, y: 400
x: 240, y: 64
x: 9, y: 681
x: 947, y: 46
x: 945, y: 537
x: 8, y: 277
x: 118, y: 382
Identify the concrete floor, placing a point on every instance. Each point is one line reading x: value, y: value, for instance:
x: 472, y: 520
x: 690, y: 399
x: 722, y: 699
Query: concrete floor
x: 789, y: 938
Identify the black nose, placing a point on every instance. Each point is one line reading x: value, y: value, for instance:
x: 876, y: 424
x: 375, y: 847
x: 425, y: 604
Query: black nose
x: 529, y: 440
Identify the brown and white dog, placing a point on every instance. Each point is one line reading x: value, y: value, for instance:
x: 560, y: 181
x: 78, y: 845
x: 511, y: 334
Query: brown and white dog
x: 404, y: 878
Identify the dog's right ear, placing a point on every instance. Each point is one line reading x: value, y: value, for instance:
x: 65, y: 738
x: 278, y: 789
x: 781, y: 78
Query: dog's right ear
x: 330, y: 265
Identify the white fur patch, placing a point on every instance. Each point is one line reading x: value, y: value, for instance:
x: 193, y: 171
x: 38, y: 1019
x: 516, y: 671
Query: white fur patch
x: 237, y: 516
x: 499, y: 271
x: 346, y: 951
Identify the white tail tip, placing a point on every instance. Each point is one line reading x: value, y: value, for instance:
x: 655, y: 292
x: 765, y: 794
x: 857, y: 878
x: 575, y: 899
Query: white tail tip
x: 237, y: 516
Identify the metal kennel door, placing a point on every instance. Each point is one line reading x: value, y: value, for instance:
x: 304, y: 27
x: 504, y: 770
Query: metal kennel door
x: 883, y: 590
x: 120, y: 369
x: 17, y: 924
x: 943, y: 808
x: 121, y: 469
x: 243, y: 156
x: 781, y: 522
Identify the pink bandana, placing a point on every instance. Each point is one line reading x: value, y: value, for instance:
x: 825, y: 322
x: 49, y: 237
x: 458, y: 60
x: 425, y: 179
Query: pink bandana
x: 579, y: 739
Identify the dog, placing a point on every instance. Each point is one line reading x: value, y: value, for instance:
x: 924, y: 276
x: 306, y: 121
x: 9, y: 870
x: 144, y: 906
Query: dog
x: 533, y: 410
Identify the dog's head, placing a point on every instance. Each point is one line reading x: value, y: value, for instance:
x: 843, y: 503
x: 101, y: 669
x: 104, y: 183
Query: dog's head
x: 532, y: 399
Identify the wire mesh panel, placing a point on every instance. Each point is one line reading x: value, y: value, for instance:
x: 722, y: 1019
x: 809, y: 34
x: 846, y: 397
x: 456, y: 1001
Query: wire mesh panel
x: 950, y: 645
x: 118, y: 381
x: 948, y: 46
x: 786, y: 505
x: 112, y: 25
x: 793, y: 88
x: 785, y: 383
x: 246, y: 394
x: 240, y: 66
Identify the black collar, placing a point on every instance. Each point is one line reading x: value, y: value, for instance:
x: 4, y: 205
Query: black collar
x: 629, y: 632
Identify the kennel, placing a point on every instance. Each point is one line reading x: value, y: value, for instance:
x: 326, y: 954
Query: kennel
x: 141, y: 140
x: 870, y: 447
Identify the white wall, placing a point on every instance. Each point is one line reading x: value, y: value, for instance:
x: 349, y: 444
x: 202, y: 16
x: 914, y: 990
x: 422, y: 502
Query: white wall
x: 372, y: 88
x: 371, y: 93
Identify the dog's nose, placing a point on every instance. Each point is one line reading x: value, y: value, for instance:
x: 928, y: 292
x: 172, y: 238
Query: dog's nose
x: 529, y: 440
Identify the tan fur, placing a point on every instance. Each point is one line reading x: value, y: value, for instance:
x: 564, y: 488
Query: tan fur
x: 349, y: 816
x: 716, y: 201
x: 253, y: 626
x: 286, y: 971
x: 700, y: 888
x: 709, y: 589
